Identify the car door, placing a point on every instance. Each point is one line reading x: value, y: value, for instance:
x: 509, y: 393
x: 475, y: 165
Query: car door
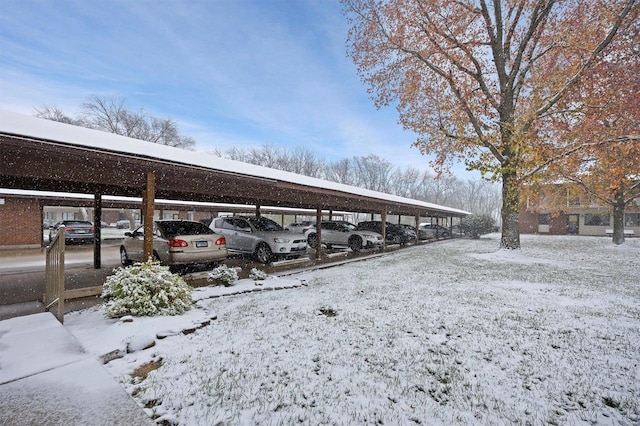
x: 244, y: 235
x: 341, y: 234
x: 328, y: 233
x: 226, y: 226
x: 135, y: 245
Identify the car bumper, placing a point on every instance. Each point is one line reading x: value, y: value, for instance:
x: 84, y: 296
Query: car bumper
x: 291, y: 248
x: 182, y: 258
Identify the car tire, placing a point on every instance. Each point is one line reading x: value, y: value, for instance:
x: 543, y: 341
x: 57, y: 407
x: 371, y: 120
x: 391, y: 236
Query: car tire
x: 355, y: 244
x: 263, y: 253
x: 124, y: 257
x: 312, y: 240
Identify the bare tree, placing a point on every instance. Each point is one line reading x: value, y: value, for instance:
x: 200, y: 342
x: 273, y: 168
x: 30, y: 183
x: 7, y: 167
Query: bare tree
x: 110, y: 114
x: 373, y: 172
x: 342, y: 171
x: 53, y: 113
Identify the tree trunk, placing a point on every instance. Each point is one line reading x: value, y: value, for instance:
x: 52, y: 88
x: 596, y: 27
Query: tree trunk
x: 510, y: 213
x: 618, y: 218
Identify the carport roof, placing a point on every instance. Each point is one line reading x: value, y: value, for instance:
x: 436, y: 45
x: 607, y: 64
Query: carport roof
x: 44, y: 155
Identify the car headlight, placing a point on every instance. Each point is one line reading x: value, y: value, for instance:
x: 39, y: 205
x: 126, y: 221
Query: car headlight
x: 281, y: 240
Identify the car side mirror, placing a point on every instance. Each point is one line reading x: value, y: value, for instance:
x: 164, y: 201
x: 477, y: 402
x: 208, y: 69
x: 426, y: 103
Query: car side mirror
x: 128, y: 234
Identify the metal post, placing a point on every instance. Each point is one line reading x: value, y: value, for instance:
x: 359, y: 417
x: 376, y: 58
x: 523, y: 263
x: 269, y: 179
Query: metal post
x: 97, y: 230
x: 383, y: 218
x: 318, y: 233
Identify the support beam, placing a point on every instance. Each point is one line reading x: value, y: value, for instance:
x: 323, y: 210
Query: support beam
x: 258, y: 210
x: 318, y: 233
x: 383, y: 228
x: 97, y: 230
x: 148, y: 201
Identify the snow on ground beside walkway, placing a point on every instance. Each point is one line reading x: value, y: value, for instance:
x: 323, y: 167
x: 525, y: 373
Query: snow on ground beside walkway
x: 455, y: 332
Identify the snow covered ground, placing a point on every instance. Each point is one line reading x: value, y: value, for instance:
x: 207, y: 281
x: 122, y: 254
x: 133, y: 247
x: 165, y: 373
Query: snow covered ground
x: 447, y: 333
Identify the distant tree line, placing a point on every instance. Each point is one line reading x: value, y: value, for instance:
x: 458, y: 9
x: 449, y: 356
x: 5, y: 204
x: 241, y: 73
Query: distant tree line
x: 378, y: 174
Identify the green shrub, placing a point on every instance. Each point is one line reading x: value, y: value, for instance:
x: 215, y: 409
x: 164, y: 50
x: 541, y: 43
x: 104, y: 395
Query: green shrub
x: 145, y: 289
x: 257, y: 274
x: 223, y: 275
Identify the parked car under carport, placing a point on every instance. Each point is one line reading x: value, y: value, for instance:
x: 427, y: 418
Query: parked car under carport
x: 176, y: 243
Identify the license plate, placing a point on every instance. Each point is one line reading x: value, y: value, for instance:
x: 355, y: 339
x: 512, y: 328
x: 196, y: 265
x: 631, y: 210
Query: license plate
x: 202, y: 244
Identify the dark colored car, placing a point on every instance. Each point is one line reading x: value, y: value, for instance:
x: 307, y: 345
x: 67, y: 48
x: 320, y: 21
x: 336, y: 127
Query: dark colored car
x: 76, y: 231
x: 394, y: 234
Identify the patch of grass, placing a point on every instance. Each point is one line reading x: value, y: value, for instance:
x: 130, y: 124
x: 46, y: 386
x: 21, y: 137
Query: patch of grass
x: 143, y: 371
x: 328, y: 312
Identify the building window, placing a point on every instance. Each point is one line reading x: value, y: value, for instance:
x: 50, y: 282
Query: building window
x: 544, y: 218
x: 69, y: 216
x: 632, y: 219
x: 591, y: 219
x: 50, y: 215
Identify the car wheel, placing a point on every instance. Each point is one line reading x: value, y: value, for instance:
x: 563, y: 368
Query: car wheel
x: 397, y: 239
x: 124, y: 257
x: 355, y: 243
x: 445, y: 234
x: 312, y: 239
x: 263, y: 253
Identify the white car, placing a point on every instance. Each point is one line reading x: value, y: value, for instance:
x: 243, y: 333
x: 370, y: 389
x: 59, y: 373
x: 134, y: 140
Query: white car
x: 175, y: 243
x: 259, y: 236
x: 342, y: 233
x: 431, y: 230
x: 301, y: 227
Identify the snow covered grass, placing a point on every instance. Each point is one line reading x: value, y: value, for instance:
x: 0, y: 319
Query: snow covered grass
x: 447, y: 333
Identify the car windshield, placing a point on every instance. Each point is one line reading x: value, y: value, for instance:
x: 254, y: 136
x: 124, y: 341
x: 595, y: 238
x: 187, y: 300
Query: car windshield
x: 172, y: 228
x: 264, y: 224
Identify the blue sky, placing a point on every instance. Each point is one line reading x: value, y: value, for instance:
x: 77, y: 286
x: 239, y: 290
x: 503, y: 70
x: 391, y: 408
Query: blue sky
x: 229, y: 72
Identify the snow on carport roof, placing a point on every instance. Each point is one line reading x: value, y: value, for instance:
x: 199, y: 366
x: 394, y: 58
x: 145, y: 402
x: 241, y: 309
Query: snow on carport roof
x: 18, y: 125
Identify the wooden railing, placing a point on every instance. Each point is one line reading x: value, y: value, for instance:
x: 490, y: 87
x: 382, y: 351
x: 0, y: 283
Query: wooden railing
x: 54, y: 286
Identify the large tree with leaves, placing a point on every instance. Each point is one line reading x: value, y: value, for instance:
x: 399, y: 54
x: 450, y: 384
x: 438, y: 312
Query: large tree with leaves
x: 476, y: 79
x: 604, y: 113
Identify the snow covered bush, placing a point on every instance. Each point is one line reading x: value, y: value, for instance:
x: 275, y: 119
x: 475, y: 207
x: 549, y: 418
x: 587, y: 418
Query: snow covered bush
x: 476, y: 225
x: 145, y: 289
x: 257, y: 274
x: 223, y: 275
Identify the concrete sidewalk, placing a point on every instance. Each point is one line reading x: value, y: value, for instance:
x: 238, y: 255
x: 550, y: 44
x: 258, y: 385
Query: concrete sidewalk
x: 46, y: 377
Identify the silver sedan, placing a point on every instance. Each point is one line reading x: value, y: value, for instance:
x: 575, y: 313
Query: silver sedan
x: 175, y: 243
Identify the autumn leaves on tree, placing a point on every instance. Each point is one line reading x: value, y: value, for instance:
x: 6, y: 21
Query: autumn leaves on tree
x: 514, y: 88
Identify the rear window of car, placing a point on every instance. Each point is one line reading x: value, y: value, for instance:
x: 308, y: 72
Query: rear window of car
x: 171, y: 229
x: 76, y: 223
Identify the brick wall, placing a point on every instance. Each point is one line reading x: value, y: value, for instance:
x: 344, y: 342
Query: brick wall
x: 528, y: 222
x: 20, y: 223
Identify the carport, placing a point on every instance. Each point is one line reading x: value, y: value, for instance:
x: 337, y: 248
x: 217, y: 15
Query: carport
x: 44, y: 155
